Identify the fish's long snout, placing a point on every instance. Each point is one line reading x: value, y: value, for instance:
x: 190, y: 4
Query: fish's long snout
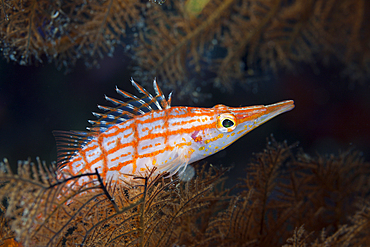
x: 280, y: 107
x: 276, y: 109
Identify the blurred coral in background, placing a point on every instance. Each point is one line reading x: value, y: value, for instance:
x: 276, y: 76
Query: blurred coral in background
x: 219, y: 42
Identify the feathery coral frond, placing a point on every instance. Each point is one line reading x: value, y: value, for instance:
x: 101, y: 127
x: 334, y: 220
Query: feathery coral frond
x: 63, y: 31
x: 188, y: 42
x: 230, y: 40
x: 52, y: 212
x: 286, y: 198
x: 37, y: 201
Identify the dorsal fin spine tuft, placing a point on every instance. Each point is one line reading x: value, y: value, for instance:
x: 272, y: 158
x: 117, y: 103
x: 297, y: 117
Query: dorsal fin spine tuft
x: 70, y: 142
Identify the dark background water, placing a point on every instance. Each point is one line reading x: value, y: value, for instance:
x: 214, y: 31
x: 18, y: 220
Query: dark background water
x: 331, y: 113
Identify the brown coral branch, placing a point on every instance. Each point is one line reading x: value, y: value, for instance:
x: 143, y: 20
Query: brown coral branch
x: 234, y: 54
x: 282, y: 192
x: 210, y: 20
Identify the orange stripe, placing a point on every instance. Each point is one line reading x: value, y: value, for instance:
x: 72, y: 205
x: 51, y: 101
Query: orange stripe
x: 145, y: 147
x: 166, y: 130
x: 155, y: 152
x: 120, y: 165
x: 137, y: 120
x: 185, y: 122
x: 118, y: 130
x: 135, y: 144
x: 151, y: 137
x: 89, y: 165
x: 103, y: 155
x: 179, y: 131
x: 111, y: 142
x: 167, y: 148
x: 83, y: 155
x: 118, y: 147
x: 183, y: 112
x: 121, y: 156
x: 187, y: 113
x: 77, y: 159
x: 167, y: 133
x: 91, y: 146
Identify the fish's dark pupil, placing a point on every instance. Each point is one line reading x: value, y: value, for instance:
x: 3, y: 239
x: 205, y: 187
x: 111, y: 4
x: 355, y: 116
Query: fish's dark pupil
x: 227, y: 123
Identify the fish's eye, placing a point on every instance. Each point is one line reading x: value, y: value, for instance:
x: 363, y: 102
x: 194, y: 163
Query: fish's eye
x: 226, y: 122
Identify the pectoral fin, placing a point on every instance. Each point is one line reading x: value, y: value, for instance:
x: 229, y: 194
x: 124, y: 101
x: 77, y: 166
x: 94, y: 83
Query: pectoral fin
x: 178, y: 163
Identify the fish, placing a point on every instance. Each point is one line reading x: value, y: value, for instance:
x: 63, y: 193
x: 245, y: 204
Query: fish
x: 138, y: 134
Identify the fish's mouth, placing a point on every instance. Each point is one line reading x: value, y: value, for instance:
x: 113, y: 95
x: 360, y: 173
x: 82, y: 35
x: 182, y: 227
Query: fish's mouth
x: 275, y: 109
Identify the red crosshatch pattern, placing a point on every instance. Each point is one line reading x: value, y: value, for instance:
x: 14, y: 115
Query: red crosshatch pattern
x: 145, y: 132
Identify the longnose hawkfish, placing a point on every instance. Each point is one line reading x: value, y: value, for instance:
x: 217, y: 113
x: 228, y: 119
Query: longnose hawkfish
x: 147, y: 132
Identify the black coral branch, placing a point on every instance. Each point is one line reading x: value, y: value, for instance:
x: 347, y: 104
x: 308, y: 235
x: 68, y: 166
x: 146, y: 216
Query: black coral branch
x: 287, y: 197
x: 54, y: 211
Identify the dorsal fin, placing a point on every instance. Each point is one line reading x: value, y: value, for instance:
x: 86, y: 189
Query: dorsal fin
x: 127, y: 110
x: 69, y: 142
x: 160, y: 97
